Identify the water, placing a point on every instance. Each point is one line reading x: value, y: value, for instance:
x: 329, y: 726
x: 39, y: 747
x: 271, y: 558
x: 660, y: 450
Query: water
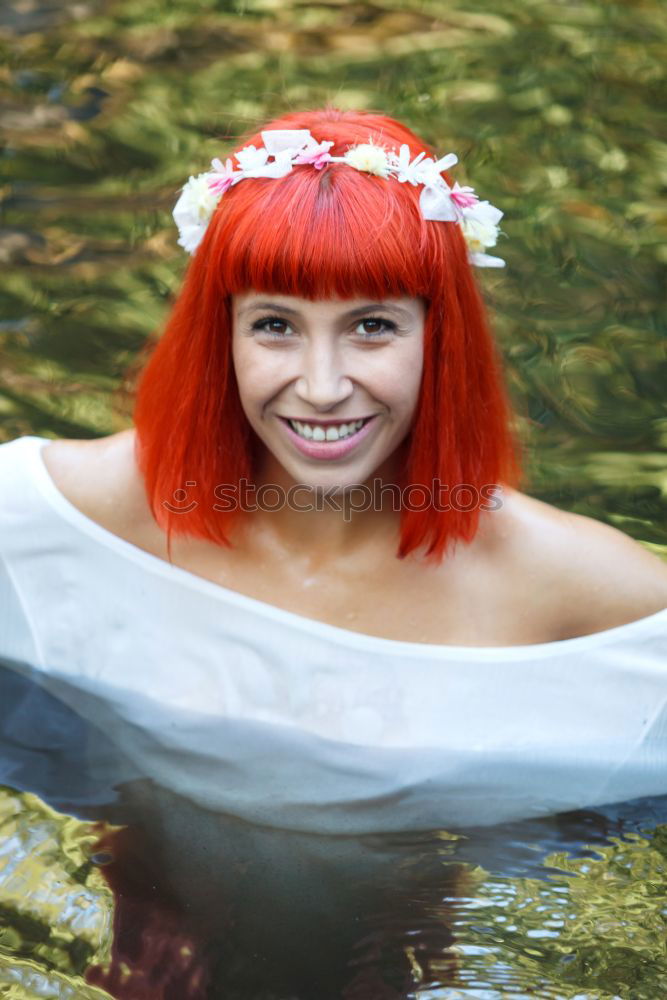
x: 108, y: 107
x: 146, y: 894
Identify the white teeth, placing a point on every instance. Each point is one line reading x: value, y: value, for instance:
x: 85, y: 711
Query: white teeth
x: 314, y: 433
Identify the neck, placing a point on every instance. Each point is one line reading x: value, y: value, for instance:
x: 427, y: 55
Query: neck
x: 321, y: 524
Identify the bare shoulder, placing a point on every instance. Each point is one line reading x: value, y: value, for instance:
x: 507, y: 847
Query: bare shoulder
x: 100, y: 478
x: 597, y: 576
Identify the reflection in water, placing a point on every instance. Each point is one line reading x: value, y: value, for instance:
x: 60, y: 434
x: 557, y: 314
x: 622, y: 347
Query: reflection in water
x: 206, y: 905
x: 273, y: 910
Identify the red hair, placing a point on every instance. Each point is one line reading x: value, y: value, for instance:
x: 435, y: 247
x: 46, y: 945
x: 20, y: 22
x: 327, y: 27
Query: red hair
x: 335, y: 232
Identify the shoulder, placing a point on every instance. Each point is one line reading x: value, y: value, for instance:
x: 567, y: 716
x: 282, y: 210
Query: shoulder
x: 99, y: 476
x: 597, y: 576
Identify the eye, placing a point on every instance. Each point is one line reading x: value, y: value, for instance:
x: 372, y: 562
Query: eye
x: 373, y: 327
x: 274, y: 326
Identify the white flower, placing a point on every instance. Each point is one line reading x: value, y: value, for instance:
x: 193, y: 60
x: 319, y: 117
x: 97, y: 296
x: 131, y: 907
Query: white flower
x: 484, y: 260
x: 404, y: 169
x: 480, y: 225
x: 282, y: 164
x: 251, y: 159
x: 428, y: 170
x: 369, y: 158
x: 193, y: 211
x: 445, y: 162
x: 254, y: 162
x: 436, y: 203
x: 279, y: 140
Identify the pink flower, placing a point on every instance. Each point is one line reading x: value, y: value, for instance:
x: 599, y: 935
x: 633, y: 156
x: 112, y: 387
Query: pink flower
x: 464, y: 197
x: 316, y: 156
x: 224, y: 176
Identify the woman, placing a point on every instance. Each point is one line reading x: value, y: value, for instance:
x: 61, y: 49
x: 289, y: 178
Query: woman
x: 345, y: 304
x: 330, y: 287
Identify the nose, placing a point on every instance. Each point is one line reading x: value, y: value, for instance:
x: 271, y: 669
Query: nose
x: 322, y: 382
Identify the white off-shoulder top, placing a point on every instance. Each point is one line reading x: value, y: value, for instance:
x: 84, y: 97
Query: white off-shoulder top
x: 248, y: 709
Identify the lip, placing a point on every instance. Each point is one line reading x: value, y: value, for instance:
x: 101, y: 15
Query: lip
x: 328, y: 450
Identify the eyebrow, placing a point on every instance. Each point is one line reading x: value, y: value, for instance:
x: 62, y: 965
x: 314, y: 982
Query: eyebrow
x: 351, y: 314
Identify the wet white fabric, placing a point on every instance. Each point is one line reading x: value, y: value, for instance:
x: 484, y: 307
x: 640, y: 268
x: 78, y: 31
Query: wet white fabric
x: 258, y: 712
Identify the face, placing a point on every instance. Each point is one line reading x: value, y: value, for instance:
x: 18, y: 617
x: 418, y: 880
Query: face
x: 305, y: 368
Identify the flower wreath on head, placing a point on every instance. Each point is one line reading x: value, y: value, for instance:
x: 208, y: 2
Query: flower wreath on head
x: 284, y: 149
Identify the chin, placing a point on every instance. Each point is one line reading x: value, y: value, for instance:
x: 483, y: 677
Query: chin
x: 333, y: 481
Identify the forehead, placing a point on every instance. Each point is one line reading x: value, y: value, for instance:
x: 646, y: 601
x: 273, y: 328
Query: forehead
x: 404, y: 307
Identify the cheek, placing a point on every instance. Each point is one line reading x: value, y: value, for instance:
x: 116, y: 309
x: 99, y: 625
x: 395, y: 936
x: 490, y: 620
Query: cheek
x: 254, y: 376
x: 400, y: 383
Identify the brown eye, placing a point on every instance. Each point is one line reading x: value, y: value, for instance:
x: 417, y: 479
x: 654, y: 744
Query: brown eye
x: 272, y: 325
x: 373, y: 326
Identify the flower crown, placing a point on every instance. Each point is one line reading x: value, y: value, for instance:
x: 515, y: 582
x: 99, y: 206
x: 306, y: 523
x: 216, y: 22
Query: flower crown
x: 284, y: 149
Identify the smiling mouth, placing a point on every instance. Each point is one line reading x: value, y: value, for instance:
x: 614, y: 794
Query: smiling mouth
x: 326, y: 430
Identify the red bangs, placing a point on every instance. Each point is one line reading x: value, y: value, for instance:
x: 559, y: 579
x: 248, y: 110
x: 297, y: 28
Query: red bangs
x: 334, y: 233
